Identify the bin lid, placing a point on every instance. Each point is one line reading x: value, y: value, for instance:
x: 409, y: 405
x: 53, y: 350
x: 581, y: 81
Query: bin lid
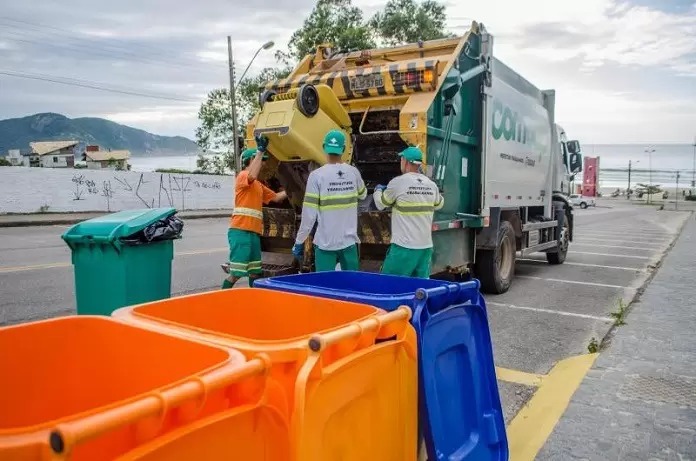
x: 464, y: 417
x: 111, y: 227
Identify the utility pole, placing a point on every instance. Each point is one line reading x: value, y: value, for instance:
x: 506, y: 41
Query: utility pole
x: 650, y: 188
x: 628, y: 189
x: 233, y: 108
x: 693, y: 169
x: 676, y: 199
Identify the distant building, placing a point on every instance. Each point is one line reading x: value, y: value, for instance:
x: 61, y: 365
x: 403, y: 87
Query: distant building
x: 106, y: 159
x: 14, y: 156
x: 53, y: 154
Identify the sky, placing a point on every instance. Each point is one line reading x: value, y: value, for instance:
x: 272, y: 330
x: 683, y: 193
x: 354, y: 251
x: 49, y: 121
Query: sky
x: 623, y: 71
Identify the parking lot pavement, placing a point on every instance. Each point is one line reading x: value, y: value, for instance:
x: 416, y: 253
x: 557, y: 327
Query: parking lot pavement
x: 552, y: 313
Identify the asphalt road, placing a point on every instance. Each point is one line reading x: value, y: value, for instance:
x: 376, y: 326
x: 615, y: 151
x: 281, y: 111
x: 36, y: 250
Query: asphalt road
x: 550, y: 313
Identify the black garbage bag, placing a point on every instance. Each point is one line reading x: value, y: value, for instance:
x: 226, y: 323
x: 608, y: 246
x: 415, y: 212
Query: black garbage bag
x: 169, y: 228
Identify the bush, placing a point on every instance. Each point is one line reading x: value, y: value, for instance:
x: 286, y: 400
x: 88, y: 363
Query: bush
x: 173, y: 170
x: 4, y: 162
x: 691, y: 198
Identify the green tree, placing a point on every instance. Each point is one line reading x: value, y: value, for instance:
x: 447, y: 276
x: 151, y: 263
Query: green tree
x: 331, y: 21
x: 407, y: 21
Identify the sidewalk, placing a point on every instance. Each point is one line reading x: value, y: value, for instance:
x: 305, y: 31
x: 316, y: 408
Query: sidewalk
x: 639, y: 400
x: 50, y: 219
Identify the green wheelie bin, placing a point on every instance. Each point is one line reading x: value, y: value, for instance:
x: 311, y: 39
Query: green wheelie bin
x: 123, y: 258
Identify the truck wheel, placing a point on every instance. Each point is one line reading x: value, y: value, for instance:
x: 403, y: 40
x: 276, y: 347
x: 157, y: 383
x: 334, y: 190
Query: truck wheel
x: 308, y: 100
x: 583, y: 205
x: 496, y: 268
x: 559, y: 256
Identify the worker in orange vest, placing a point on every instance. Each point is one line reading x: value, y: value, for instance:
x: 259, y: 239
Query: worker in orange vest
x: 246, y: 224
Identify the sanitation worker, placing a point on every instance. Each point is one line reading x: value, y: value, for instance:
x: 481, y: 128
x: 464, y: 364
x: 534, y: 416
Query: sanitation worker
x: 413, y: 198
x: 331, y: 201
x: 246, y: 224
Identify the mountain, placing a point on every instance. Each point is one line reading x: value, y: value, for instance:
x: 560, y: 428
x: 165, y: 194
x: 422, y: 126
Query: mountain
x: 17, y: 133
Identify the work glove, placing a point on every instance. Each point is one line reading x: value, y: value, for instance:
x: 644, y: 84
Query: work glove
x: 261, y: 142
x: 298, y: 251
x: 380, y: 187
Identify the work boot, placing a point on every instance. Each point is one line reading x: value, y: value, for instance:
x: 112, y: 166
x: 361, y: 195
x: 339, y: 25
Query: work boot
x: 225, y: 268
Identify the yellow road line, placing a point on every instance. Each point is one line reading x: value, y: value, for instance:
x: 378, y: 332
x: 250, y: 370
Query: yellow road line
x: 528, y: 432
x: 34, y: 267
x: 518, y: 377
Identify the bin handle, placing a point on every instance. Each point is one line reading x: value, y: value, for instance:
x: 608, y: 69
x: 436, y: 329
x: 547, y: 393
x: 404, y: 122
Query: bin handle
x: 66, y: 435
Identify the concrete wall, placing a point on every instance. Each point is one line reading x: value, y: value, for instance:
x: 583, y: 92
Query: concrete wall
x: 30, y: 190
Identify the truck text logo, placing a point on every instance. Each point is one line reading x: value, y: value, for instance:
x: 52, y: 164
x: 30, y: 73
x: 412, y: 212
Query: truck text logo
x: 513, y: 127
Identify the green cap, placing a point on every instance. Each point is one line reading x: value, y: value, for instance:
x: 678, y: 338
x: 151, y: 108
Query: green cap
x: 334, y: 142
x: 248, y: 154
x: 412, y: 155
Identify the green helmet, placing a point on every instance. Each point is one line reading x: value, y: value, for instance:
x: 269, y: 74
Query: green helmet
x: 412, y: 154
x: 248, y: 154
x: 335, y: 142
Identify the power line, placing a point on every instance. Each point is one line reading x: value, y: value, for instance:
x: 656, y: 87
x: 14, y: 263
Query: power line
x: 83, y: 49
x: 71, y: 34
x: 91, y: 85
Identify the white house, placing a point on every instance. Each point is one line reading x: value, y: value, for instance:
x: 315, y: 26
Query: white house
x: 107, y: 159
x: 53, y: 154
x: 15, y: 157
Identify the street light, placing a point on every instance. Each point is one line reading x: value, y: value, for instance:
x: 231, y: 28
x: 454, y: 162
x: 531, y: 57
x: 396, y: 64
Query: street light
x: 650, y: 151
x: 233, y: 95
x: 693, y: 171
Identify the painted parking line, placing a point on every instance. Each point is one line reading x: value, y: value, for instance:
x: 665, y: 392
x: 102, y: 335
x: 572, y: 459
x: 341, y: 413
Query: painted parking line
x: 9, y: 269
x: 550, y: 311
x: 632, y: 230
x: 592, y: 284
x: 612, y: 246
x: 518, y: 377
x: 613, y: 255
x: 623, y: 240
x: 532, y: 426
x: 567, y: 263
x: 624, y: 236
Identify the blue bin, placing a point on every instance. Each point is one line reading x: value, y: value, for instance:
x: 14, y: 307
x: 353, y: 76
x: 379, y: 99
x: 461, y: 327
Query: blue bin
x: 460, y: 411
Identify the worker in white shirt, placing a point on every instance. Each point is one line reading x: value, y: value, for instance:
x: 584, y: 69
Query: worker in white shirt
x: 413, y: 198
x: 331, y: 200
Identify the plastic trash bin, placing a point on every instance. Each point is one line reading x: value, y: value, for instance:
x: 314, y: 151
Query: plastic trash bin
x: 252, y: 321
x: 460, y: 411
x: 119, y: 262
x: 89, y: 387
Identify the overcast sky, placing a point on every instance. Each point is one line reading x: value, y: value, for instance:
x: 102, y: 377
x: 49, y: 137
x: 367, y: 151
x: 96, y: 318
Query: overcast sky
x: 624, y: 72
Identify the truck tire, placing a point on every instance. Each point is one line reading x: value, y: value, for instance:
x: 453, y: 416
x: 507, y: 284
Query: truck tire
x: 496, y: 268
x: 308, y: 100
x: 559, y: 256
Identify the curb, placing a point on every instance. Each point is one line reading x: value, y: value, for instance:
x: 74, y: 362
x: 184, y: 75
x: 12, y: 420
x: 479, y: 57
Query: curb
x: 62, y: 221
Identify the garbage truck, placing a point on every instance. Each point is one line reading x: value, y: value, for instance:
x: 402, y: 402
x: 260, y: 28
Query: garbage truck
x: 490, y: 140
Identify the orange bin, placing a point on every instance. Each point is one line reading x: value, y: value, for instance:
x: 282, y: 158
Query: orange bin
x: 251, y: 320
x: 87, y: 388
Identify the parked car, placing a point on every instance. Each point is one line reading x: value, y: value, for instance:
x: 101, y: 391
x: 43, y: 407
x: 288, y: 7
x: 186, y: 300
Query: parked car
x: 582, y: 202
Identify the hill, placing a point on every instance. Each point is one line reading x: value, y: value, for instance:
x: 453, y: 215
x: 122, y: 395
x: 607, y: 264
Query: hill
x: 17, y: 133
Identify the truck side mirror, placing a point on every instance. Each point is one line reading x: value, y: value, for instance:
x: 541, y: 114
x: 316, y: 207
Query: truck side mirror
x: 573, y: 147
x: 575, y: 163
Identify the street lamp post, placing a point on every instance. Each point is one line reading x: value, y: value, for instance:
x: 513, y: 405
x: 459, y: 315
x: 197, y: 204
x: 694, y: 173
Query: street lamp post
x: 676, y: 198
x: 233, y: 96
x: 650, y: 188
x: 693, y: 169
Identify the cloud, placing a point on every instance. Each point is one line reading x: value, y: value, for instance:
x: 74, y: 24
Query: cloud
x: 621, y: 69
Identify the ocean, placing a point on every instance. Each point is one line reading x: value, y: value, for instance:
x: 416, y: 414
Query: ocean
x: 666, y: 161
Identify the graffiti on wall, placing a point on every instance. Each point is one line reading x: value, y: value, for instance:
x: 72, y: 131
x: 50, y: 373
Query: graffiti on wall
x: 170, y: 190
